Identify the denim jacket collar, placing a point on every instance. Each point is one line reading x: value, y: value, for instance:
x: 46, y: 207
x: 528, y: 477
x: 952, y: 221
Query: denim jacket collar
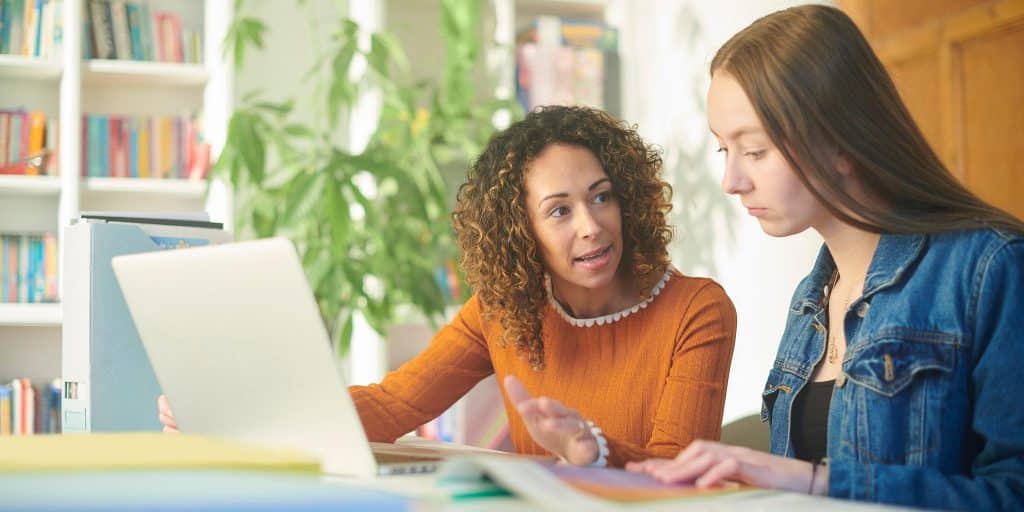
x: 894, y: 254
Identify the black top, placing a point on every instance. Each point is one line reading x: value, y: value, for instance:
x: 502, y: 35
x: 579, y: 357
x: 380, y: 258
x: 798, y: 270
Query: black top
x: 810, y: 421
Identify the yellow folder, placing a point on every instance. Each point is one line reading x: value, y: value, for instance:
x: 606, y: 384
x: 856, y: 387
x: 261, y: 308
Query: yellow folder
x: 124, y: 451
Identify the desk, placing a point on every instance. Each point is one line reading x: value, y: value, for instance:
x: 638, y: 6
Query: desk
x: 167, y: 490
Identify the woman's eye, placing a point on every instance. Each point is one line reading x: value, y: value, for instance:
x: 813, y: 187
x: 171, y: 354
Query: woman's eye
x: 756, y: 155
x: 558, y: 212
x: 603, y: 197
x: 721, y: 150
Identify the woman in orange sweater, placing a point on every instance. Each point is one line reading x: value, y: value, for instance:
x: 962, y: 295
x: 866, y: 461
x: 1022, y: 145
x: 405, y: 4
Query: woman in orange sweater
x: 562, y: 226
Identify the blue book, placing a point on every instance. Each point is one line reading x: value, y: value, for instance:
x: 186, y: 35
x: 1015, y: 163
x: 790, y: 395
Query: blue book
x: 132, y: 128
x: 86, y: 38
x: 5, y: 22
x: 30, y: 273
x: 39, y: 279
x: 146, y: 33
x: 14, y: 150
x: 134, y: 14
x: 105, y: 170
x: 3, y: 272
x: 53, y: 408
x: 39, y: 28
x: 95, y: 145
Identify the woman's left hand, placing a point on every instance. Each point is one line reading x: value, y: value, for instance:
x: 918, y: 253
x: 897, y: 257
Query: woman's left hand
x: 708, y: 463
x: 555, y: 427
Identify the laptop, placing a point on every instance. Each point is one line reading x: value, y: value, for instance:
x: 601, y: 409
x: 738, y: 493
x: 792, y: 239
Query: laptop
x: 237, y: 344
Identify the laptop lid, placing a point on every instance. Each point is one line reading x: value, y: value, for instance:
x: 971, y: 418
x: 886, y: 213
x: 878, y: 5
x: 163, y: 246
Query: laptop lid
x: 238, y: 346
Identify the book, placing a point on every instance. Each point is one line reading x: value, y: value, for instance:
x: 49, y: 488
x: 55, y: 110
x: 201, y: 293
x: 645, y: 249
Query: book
x: 102, y: 30
x: 5, y: 409
x: 136, y: 451
x: 545, y: 483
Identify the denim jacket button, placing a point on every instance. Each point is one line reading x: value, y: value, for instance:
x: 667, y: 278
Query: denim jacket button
x: 862, y: 310
x: 840, y: 380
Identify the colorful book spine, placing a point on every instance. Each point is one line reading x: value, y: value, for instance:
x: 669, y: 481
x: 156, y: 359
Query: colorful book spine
x: 5, y: 409
x: 145, y: 146
x: 122, y: 33
x: 50, y: 255
x: 36, y: 141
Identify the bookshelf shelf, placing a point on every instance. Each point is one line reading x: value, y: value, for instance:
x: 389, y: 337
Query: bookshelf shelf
x: 116, y: 72
x: 165, y: 187
x: 30, y: 185
x: 30, y: 314
x: 20, y: 67
x: 571, y: 9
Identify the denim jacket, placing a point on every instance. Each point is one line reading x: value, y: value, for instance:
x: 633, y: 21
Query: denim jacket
x: 929, y: 408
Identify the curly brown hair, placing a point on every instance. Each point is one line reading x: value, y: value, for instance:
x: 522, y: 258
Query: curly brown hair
x: 500, y: 255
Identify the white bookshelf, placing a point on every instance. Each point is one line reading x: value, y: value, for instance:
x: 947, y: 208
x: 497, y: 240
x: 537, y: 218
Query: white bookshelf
x: 187, y: 189
x: 101, y: 72
x: 13, y: 185
x: 66, y: 87
x: 22, y: 315
x: 18, y: 67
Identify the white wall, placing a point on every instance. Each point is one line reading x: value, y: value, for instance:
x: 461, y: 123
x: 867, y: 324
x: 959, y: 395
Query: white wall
x: 666, y: 48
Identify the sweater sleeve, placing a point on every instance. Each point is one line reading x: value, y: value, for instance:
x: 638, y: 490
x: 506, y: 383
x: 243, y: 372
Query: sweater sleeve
x: 693, y: 400
x: 421, y: 389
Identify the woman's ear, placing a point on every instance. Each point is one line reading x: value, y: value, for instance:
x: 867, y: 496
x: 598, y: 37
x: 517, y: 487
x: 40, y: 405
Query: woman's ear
x: 844, y: 165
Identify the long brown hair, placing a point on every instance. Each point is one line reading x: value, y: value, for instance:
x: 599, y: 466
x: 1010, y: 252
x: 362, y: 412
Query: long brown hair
x: 500, y: 256
x: 817, y: 87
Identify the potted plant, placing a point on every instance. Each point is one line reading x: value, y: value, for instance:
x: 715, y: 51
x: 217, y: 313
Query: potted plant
x: 370, y: 226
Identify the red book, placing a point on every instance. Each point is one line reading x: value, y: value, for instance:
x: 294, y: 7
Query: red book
x: 117, y: 169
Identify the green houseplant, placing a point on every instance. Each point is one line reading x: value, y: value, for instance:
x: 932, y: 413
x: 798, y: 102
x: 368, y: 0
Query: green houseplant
x: 370, y: 226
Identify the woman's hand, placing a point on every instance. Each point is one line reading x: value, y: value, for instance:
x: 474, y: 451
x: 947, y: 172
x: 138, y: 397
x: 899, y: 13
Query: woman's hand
x: 166, y: 416
x: 555, y: 427
x: 708, y: 463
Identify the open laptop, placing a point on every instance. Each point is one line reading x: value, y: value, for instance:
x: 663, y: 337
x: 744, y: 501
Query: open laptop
x: 238, y: 346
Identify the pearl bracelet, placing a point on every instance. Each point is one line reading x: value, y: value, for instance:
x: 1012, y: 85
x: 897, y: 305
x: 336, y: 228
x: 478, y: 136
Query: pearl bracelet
x: 602, y: 444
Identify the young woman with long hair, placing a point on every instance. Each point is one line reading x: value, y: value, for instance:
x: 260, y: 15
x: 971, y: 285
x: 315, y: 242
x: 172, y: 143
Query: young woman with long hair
x: 895, y: 380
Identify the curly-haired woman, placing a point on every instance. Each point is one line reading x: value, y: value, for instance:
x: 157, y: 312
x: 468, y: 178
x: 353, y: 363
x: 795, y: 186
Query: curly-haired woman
x: 563, y: 233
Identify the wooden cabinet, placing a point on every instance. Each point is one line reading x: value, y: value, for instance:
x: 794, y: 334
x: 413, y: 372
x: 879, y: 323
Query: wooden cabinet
x: 959, y: 66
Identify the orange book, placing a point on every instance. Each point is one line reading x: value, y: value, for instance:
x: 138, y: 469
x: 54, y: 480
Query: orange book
x: 165, y: 151
x: 144, y: 147
x: 5, y: 409
x: 50, y: 267
x: 36, y: 132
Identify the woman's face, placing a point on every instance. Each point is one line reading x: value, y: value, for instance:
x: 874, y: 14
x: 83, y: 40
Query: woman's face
x: 575, y: 218
x: 755, y: 170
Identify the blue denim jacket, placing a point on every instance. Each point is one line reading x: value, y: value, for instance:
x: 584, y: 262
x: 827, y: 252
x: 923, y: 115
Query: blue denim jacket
x: 928, y: 408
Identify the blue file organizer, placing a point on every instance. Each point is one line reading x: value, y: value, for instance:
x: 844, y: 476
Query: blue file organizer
x: 109, y: 384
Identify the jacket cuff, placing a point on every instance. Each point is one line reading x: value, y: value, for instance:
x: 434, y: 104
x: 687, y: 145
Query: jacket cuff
x: 850, y: 480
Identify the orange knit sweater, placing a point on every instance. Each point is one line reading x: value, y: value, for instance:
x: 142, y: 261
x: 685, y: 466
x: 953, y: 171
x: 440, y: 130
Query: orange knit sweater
x: 653, y: 380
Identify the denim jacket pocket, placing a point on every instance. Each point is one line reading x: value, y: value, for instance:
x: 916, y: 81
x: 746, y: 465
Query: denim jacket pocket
x: 889, y: 363
x: 771, y: 392
x: 901, y: 382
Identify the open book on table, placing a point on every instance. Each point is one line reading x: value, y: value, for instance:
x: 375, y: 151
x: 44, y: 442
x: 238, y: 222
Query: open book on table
x: 551, y: 485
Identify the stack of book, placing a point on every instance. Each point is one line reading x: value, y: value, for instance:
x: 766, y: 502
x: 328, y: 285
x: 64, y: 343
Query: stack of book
x: 129, y: 30
x: 28, y: 268
x: 26, y: 409
x: 31, y: 27
x: 143, y: 147
x: 28, y: 143
x: 567, y: 62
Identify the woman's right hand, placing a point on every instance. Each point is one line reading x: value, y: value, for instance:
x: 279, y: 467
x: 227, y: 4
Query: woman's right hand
x: 166, y: 416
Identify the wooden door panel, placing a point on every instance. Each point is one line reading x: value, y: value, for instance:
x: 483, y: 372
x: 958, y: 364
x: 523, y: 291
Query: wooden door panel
x: 915, y: 80
x: 992, y: 74
x: 891, y: 17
